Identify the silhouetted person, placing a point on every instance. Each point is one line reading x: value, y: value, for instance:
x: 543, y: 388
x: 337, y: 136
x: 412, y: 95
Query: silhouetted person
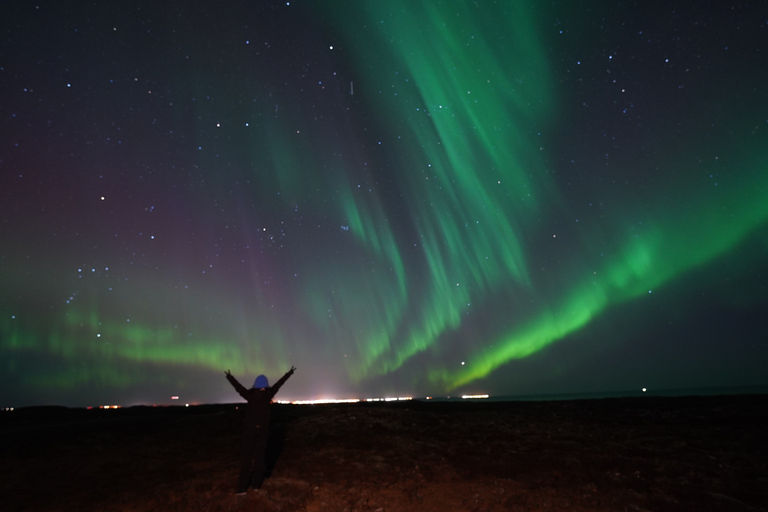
x: 256, y: 427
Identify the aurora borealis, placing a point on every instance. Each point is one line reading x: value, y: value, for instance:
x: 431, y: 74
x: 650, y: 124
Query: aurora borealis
x: 395, y: 197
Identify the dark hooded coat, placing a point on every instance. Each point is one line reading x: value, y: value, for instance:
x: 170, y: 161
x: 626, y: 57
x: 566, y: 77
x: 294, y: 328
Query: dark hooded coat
x: 257, y: 411
x: 256, y: 430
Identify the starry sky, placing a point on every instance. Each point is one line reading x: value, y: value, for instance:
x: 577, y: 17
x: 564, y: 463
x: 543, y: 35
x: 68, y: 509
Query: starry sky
x: 399, y: 198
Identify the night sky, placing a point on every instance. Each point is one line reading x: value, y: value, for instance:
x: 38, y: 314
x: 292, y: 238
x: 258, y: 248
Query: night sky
x: 397, y: 197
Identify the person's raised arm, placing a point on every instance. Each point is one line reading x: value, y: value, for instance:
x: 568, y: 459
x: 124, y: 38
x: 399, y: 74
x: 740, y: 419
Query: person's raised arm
x: 235, y: 384
x: 283, y: 379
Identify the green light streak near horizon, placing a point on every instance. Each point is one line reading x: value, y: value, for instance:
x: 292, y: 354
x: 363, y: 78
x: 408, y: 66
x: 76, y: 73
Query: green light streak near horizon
x: 97, y: 348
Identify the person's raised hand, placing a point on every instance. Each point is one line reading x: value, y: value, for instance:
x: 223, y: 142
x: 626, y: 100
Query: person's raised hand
x: 293, y: 369
x: 227, y: 373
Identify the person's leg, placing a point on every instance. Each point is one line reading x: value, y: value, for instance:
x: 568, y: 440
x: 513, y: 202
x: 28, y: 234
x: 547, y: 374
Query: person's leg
x: 246, y: 464
x: 259, y: 455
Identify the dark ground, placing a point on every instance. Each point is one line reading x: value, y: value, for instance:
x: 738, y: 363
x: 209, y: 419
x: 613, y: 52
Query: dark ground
x: 635, y: 454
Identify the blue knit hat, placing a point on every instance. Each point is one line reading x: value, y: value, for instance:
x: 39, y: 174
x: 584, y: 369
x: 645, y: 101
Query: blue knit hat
x: 261, y: 382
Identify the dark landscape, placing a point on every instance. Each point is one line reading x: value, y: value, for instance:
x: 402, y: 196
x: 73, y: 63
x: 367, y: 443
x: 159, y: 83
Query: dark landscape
x: 634, y: 454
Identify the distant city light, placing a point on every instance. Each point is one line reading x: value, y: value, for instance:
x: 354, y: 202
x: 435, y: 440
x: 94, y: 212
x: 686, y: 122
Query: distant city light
x: 321, y: 401
x: 174, y: 397
x: 472, y: 397
x: 343, y: 401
